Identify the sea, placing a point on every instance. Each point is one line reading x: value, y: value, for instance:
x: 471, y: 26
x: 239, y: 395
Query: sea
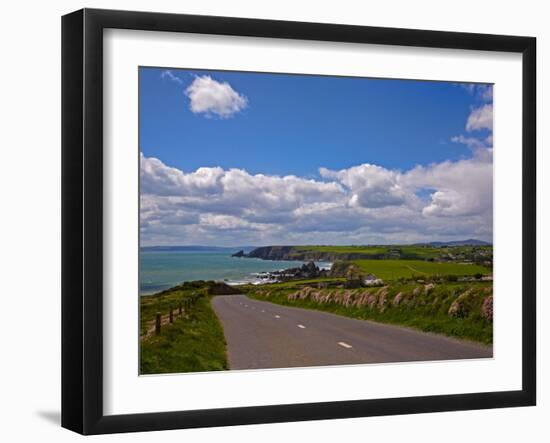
x: 163, y: 268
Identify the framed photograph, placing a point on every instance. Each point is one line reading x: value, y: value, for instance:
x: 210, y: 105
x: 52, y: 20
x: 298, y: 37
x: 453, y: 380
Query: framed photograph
x: 269, y: 221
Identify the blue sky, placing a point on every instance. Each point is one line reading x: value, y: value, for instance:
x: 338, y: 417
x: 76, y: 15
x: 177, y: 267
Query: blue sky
x: 373, y: 150
x: 317, y: 121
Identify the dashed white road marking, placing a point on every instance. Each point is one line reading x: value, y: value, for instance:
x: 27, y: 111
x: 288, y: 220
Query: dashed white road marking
x: 277, y: 316
x: 263, y: 310
x: 345, y: 345
x: 301, y: 326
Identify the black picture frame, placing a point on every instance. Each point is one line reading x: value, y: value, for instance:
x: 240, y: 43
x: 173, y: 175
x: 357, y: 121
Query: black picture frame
x: 82, y: 218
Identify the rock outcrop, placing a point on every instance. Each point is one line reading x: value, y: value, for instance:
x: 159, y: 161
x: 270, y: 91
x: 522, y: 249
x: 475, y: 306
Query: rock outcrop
x: 306, y: 271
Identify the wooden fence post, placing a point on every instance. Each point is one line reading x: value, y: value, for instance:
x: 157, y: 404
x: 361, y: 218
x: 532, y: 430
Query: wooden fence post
x: 171, y: 315
x: 157, y: 324
x: 179, y: 309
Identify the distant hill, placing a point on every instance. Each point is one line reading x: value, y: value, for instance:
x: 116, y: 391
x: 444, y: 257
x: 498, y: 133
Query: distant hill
x: 331, y: 253
x: 196, y: 248
x: 469, y: 242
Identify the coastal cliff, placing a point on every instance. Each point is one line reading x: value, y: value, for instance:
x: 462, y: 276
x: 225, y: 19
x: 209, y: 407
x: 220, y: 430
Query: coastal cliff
x: 273, y: 253
x: 450, y: 252
x: 295, y: 253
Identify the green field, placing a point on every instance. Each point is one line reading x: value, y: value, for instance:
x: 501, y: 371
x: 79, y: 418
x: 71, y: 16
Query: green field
x: 394, y: 269
x: 399, y: 251
x: 345, y: 249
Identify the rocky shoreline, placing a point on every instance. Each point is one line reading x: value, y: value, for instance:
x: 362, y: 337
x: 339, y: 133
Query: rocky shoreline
x: 308, y: 270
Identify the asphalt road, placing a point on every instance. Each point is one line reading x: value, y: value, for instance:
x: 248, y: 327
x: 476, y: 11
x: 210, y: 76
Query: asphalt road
x: 265, y: 335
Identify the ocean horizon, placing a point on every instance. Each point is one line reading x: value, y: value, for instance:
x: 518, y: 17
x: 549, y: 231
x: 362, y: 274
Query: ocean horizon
x: 161, y: 268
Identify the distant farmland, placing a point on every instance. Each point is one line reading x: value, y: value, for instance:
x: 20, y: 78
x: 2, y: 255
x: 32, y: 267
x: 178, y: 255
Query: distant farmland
x: 394, y: 269
x: 345, y: 249
x: 413, y: 252
x: 443, y: 253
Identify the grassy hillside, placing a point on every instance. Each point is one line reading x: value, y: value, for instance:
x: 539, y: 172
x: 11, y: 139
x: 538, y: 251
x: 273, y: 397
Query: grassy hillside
x: 345, y: 249
x: 462, y: 310
x: 194, y: 342
x: 417, y: 251
x: 470, y: 253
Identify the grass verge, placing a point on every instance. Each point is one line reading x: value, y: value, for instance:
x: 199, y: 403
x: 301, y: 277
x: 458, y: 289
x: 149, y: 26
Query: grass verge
x: 192, y: 343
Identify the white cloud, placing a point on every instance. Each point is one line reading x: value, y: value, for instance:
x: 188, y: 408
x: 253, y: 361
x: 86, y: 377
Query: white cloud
x: 482, y: 148
x: 471, y: 142
x: 462, y: 189
x: 370, y: 186
x: 480, y: 118
x: 481, y: 91
x: 210, y: 97
x: 160, y: 179
x: 361, y: 204
x: 486, y: 92
x: 228, y: 223
x: 170, y: 76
